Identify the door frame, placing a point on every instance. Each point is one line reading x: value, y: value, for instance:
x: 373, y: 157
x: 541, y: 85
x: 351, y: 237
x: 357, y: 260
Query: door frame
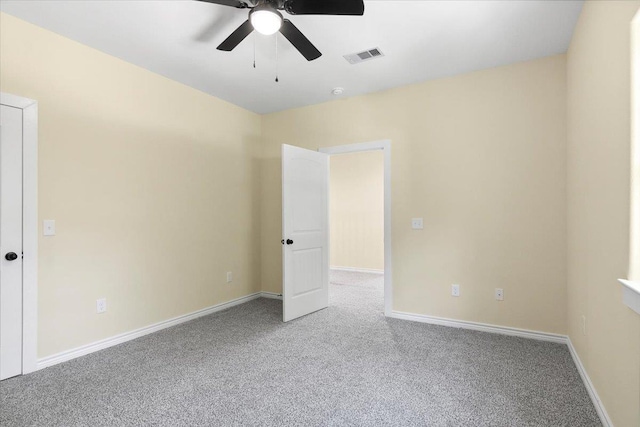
x: 29, y: 109
x: 385, y: 146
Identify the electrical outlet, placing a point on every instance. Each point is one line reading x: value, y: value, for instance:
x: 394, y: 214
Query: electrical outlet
x: 417, y: 224
x: 101, y: 305
x: 229, y: 277
x: 584, y: 325
x: 499, y: 294
x: 455, y: 290
x: 49, y: 227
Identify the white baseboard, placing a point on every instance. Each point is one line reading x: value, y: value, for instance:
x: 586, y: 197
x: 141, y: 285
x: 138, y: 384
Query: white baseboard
x: 483, y: 327
x: 270, y: 295
x: 524, y: 333
x: 137, y: 333
x: 593, y: 394
x: 357, y: 270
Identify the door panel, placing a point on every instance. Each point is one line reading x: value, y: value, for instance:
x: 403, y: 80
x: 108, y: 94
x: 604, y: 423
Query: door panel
x: 10, y: 242
x: 307, y: 193
x: 305, y: 223
x: 307, y: 276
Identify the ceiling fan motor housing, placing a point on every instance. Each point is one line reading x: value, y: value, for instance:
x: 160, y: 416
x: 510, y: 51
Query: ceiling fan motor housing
x: 267, y: 5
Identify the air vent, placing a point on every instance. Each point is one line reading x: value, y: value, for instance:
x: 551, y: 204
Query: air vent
x: 366, y: 55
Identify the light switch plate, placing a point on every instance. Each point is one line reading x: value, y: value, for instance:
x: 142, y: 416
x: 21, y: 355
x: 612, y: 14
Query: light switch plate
x: 49, y: 227
x: 416, y: 223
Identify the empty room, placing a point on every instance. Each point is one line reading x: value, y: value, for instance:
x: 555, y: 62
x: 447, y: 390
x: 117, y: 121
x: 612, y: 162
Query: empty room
x: 320, y: 213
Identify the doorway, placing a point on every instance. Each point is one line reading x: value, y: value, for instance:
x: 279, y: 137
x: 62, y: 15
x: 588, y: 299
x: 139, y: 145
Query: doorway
x: 305, y: 227
x: 18, y: 235
x: 356, y: 229
x: 361, y: 236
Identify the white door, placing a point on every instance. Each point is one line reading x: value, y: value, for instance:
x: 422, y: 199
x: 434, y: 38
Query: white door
x: 305, y: 226
x: 10, y: 242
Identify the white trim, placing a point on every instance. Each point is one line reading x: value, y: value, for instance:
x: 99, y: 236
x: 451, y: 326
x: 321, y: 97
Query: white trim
x: 29, y: 227
x: 523, y: 333
x: 357, y: 270
x: 385, y: 146
x: 16, y: 101
x: 631, y: 294
x: 482, y: 327
x: 271, y: 295
x: 593, y: 394
x: 137, y: 333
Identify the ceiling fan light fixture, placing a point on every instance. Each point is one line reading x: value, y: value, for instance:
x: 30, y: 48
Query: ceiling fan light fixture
x: 265, y: 20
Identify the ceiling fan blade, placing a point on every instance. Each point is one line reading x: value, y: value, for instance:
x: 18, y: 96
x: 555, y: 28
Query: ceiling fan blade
x: 299, y: 41
x: 324, y: 7
x: 232, y: 3
x: 236, y: 37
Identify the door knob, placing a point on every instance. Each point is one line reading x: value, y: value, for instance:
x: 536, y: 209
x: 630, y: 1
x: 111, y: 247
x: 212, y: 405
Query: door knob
x: 11, y: 256
x: 289, y: 241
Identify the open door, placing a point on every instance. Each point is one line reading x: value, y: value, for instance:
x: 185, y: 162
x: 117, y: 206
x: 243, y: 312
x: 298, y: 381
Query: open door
x: 10, y: 241
x: 305, y: 227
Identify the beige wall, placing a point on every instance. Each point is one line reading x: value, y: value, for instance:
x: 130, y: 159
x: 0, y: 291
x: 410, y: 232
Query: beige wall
x: 482, y: 158
x: 634, y: 255
x: 598, y: 63
x: 153, y: 186
x: 357, y: 210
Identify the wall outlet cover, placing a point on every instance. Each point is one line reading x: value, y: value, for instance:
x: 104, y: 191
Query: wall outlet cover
x: 455, y: 290
x: 49, y: 227
x: 101, y: 305
x: 499, y: 294
x: 417, y: 223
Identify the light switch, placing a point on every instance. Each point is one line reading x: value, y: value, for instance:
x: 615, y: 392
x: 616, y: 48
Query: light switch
x: 416, y: 223
x: 49, y: 227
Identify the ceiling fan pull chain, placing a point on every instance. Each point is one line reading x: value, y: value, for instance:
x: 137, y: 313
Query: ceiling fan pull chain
x: 276, y: 57
x: 254, y: 49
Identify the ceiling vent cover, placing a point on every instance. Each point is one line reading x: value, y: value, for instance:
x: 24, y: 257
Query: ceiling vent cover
x: 366, y: 55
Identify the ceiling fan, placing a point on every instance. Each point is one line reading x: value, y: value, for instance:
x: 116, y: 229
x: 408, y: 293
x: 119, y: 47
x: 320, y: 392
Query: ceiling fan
x: 265, y: 18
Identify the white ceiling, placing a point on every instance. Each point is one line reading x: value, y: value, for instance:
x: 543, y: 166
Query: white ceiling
x: 421, y: 40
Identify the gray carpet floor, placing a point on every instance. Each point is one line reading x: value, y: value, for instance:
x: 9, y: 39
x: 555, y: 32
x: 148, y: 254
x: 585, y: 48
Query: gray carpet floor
x: 345, y: 365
